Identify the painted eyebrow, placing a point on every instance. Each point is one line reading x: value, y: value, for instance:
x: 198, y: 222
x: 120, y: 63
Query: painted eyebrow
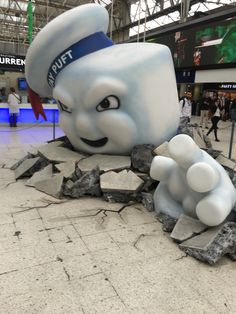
x: 101, y: 89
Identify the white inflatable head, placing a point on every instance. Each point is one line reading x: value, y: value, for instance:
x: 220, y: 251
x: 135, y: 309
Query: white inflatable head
x: 111, y: 97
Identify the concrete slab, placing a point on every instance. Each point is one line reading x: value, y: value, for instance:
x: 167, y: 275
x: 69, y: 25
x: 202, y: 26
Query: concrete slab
x: 25, y: 166
x: 223, y: 242
x: 186, y: 227
x: 105, y: 162
x: 226, y: 162
x: 66, y: 168
x: 162, y: 150
x: 41, y: 175
x: 202, y: 241
x: 124, y: 181
x: 59, y: 154
x: 51, y: 186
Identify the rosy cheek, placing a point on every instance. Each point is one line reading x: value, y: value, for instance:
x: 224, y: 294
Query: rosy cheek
x: 119, y: 127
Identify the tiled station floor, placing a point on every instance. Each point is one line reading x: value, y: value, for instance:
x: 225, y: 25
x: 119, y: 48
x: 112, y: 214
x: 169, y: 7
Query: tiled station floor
x: 82, y: 256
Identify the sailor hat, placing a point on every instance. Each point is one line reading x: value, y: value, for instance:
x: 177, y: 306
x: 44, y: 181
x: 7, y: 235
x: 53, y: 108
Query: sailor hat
x: 66, y: 38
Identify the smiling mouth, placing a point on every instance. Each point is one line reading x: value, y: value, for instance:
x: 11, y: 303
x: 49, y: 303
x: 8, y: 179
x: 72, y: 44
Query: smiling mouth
x: 97, y: 143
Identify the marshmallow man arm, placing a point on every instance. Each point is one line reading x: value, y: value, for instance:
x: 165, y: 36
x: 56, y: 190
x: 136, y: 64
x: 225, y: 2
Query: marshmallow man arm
x: 202, y: 177
x: 214, y: 208
x: 161, y: 168
x: 184, y: 150
x: 164, y: 203
x: 194, y: 183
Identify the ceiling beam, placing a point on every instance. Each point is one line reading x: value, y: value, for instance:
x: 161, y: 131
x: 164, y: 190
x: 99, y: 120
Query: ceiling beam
x: 154, y: 16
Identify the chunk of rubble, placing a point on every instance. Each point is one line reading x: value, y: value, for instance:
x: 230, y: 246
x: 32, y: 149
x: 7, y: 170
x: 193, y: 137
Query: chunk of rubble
x: 59, y: 154
x: 211, y: 245
x: 141, y: 157
x: 105, y: 162
x: 186, y: 227
x: 66, y: 168
x: 51, y: 186
x: 25, y: 166
x: 87, y: 184
x: 147, y: 201
x: 162, y: 150
x: 124, y: 181
x: 41, y: 175
x: 225, y: 162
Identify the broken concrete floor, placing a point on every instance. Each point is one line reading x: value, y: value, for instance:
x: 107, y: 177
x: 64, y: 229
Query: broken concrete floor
x: 116, y: 263
x: 90, y: 256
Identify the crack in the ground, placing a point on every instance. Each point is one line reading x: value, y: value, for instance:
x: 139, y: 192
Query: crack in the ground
x: 8, y: 272
x: 7, y: 185
x: 82, y: 216
x: 67, y: 274
x: 28, y: 208
x: 181, y: 257
x: 137, y: 240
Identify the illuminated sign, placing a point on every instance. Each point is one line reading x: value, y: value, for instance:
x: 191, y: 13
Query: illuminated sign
x: 12, y: 62
x: 227, y: 86
x: 211, y: 44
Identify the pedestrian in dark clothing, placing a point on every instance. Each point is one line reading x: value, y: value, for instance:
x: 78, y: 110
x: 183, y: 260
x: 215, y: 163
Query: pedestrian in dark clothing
x: 215, y: 114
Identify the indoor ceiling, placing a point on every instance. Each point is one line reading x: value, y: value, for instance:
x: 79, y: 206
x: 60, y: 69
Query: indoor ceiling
x: 125, y: 15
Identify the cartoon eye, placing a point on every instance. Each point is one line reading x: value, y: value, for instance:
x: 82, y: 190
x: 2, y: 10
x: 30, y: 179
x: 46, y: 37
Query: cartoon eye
x: 110, y: 102
x: 64, y: 107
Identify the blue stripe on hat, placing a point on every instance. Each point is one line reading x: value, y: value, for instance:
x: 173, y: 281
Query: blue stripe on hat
x: 80, y: 49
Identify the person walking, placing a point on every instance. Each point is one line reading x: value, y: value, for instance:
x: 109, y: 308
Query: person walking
x: 215, y: 114
x: 13, y: 104
x: 186, y: 106
x: 204, y: 109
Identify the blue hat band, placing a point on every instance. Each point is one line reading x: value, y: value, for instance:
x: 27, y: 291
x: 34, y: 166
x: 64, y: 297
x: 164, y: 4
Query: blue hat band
x: 78, y: 50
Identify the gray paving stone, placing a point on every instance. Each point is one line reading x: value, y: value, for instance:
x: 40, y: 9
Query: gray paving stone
x: 66, y: 168
x: 226, y: 162
x: 105, y: 162
x: 59, y: 154
x: 25, y: 166
x: 124, y: 181
x: 162, y: 150
x: 51, y: 186
x: 186, y: 227
x: 41, y: 175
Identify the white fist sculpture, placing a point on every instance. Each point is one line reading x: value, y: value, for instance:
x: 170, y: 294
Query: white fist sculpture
x: 192, y: 182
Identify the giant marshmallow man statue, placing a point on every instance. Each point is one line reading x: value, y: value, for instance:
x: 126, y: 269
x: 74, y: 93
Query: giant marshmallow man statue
x: 113, y: 97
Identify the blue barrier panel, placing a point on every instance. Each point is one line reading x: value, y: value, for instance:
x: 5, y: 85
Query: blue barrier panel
x: 27, y: 116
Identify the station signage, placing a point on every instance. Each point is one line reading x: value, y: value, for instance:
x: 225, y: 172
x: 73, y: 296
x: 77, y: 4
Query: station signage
x: 12, y: 62
x: 227, y: 86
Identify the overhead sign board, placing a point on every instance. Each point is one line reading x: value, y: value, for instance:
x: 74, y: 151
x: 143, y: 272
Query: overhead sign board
x: 12, y: 62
